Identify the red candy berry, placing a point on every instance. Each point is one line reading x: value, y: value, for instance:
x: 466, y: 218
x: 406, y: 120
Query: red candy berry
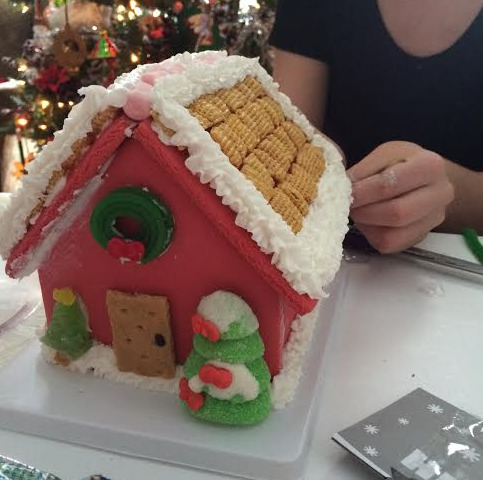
x: 193, y: 400
x: 219, y: 377
x: 205, y: 328
x: 126, y: 249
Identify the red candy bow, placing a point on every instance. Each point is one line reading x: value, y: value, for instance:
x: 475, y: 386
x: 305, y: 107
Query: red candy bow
x: 126, y: 249
x: 205, y: 327
x: 193, y: 400
x: 219, y: 377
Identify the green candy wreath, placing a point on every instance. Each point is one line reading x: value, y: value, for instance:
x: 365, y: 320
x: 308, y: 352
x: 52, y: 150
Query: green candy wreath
x: 156, y: 224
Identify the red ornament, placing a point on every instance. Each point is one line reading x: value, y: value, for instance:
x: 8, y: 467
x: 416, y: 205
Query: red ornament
x: 205, y: 328
x: 157, y: 33
x: 219, y: 377
x: 51, y: 78
x: 126, y: 249
x: 194, y: 401
x: 178, y: 7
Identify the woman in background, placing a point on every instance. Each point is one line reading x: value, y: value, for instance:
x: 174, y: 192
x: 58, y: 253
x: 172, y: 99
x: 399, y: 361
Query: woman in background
x: 399, y: 86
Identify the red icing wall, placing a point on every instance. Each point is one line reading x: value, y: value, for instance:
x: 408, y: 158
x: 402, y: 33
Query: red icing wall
x: 198, y: 262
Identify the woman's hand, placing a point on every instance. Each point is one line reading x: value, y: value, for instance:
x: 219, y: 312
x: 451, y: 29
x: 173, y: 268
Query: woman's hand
x: 401, y: 192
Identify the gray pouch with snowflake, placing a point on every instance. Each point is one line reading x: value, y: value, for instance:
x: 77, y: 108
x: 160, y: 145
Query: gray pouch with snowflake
x: 401, y: 440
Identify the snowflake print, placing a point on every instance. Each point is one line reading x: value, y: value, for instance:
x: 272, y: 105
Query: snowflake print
x: 371, y: 429
x: 371, y: 451
x: 433, y: 408
x: 470, y: 455
x: 403, y: 421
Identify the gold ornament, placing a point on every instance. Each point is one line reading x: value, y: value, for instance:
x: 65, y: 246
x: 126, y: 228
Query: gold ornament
x: 69, y: 48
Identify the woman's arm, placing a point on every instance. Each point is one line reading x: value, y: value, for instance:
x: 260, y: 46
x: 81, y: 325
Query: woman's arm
x: 305, y: 81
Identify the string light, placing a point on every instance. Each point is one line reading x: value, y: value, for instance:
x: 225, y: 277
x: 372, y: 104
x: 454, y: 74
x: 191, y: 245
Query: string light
x: 133, y: 4
x: 121, y: 9
x: 25, y: 9
x: 138, y: 11
x: 44, y: 104
x: 22, y: 67
x: 43, y: 127
x: 22, y: 122
x: 61, y: 104
x: 120, y: 18
x: 134, y: 58
x: 156, y: 13
x: 94, y: 28
x: 71, y: 103
x: 131, y: 15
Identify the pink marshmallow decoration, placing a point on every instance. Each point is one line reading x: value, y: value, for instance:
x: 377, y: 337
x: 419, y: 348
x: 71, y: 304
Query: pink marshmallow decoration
x: 139, y: 99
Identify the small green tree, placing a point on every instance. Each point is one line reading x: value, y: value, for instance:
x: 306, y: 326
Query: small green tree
x: 67, y: 331
x: 226, y: 378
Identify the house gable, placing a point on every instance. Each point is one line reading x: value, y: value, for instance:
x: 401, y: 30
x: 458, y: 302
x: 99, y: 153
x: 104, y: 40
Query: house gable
x: 200, y: 259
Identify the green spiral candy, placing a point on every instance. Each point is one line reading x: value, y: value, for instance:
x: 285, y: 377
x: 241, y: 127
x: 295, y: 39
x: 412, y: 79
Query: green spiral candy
x: 156, y: 221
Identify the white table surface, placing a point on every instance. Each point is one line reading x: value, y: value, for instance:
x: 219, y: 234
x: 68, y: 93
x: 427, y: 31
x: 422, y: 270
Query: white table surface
x: 402, y: 327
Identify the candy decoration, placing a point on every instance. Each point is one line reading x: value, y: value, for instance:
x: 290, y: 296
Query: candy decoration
x: 69, y: 48
x: 194, y: 401
x: 68, y: 331
x: 65, y: 296
x: 219, y: 377
x: 205, y: 328
x: 156, y: 223
x: 231, y: 374
x: 177, y: 7
x: 105, y: 47
x: 231, y: 314
x: 126, y: 249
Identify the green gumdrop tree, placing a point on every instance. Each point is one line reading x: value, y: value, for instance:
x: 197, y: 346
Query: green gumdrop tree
x: 67, y: 332
x: 235, y: 410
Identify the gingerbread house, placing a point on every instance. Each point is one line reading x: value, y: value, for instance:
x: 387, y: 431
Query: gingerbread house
x: 180, y: 179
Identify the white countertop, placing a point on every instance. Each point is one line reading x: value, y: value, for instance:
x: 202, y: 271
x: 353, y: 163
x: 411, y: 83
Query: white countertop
x: 402, y: 327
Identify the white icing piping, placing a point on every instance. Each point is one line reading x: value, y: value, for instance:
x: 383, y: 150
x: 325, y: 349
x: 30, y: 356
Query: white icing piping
x: 284, y: 385
x: 100, y: 361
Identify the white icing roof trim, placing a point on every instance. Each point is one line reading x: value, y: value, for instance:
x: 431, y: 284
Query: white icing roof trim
x: 308, y: 260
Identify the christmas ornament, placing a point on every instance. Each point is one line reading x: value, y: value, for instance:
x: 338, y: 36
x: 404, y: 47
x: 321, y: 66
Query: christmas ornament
x: 69, y: 48
x: 177, y: 7
x: 105, y: 47
x: 51, y: 78
x: 202, y: 26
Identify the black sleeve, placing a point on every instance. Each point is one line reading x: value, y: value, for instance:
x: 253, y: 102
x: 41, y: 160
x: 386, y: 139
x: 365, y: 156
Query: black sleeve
x: 300, y: 28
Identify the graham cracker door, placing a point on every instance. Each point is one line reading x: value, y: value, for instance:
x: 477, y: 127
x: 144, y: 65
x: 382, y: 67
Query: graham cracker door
x: 141, y: 330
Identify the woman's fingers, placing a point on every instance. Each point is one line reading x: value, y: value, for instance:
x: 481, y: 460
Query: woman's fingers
x: 384, y: 156
x: 418, y: 170
x: 391, y: 239
x: 405, y: 209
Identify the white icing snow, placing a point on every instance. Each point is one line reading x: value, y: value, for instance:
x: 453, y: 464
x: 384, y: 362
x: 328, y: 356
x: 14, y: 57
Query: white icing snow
x: 284, y: 385
x: 224, y: 308
x: 100, y: 361
x: 308, y: 260
x: 244, y: 383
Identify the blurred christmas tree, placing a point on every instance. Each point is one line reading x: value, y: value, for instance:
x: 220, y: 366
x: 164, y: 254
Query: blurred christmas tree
x: 77, y: 43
